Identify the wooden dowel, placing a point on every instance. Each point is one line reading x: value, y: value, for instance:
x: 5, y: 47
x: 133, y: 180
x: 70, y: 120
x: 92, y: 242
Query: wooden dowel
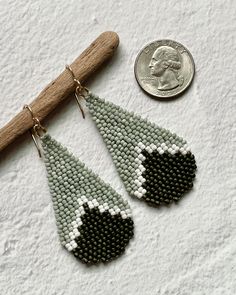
x: 59, y: 89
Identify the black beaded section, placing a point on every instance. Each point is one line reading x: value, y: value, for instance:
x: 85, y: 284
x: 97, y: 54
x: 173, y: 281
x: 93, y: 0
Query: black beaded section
x: 103, y: 237
x: 167, y: 176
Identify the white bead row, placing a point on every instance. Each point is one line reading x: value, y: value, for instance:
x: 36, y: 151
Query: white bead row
x: 139, y: 171
x: 162, y: 148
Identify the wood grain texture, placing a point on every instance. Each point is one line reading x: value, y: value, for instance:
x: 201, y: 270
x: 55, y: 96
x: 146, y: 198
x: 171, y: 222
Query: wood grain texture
x: 59, y: 89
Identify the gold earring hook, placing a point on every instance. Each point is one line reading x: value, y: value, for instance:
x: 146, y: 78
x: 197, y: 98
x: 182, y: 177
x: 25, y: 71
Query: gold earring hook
x: 36, y: 130
x: 80, y: 91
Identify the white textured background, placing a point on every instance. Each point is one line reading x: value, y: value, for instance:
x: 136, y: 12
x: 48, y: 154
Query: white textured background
x: 189, y: 248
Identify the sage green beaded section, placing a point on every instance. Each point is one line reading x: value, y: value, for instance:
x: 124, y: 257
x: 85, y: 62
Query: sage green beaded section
x: 75, y: 190
x: 131, y: 140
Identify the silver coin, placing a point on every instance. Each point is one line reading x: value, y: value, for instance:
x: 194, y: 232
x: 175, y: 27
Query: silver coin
x: 164, y: 68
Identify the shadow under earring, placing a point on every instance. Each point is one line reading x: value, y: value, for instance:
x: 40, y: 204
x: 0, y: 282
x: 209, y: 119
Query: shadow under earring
x: 155, y: 165
x: 94, y: 222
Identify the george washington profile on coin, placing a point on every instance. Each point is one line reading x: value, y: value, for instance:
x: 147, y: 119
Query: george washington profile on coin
x: 165, y: 66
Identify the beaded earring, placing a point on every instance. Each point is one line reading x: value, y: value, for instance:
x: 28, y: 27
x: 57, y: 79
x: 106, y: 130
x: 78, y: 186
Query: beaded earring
x: 94, y: 222
x: 155, y: 165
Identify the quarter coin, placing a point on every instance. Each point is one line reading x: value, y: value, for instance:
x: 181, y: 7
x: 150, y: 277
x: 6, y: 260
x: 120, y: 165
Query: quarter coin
x: 164, y: 68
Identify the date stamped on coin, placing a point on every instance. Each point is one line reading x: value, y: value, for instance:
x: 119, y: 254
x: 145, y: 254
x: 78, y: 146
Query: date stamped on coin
x: 164, y: 68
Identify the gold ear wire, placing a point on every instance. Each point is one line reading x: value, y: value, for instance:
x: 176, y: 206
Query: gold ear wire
x: 80, y: 91
x: 36, y: 130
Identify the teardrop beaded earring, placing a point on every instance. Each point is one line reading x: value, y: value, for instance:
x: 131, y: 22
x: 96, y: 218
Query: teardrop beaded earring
x: 155, y: 165
x: 94, y: 222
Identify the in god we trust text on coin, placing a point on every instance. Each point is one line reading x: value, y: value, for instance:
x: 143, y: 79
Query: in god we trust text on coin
x: 164, y: 68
